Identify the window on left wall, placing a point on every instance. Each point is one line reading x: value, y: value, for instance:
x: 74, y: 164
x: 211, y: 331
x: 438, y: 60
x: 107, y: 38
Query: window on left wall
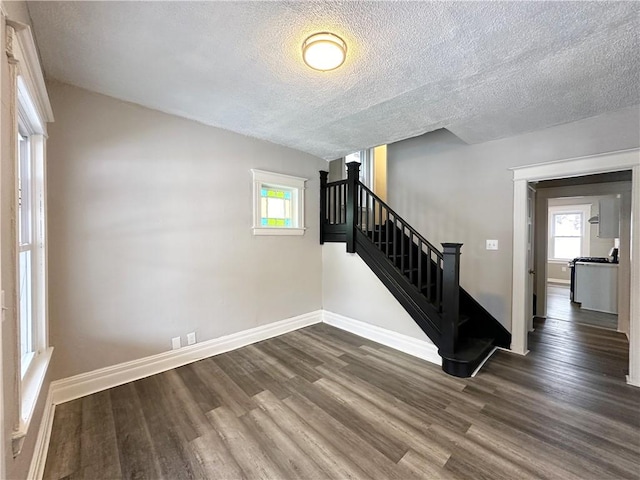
x: 30, y: 222
x: 27, y: 239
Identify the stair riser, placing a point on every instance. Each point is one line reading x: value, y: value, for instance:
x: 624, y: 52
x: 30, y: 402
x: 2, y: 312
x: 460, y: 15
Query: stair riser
x: 418, y: 276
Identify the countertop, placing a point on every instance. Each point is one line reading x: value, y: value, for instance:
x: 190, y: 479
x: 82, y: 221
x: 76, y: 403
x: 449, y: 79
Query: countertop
x: 595, y: 264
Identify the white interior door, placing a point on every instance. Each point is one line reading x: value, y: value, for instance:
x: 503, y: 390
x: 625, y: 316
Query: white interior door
x: 531, y: 278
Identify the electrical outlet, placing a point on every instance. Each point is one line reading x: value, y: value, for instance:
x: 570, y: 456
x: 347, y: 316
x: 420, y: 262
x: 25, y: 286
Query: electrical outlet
x: 564, y: 269
x: 175, y: 343
x: 492, y: 244
x: 191, y: 338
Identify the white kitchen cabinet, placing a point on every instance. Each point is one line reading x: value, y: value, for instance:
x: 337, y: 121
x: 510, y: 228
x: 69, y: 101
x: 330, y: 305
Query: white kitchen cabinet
x: 609, y: 218
x: 596, y: 286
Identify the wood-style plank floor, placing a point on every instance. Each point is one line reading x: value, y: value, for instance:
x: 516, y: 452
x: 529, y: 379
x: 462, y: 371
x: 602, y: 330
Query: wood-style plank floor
x: 560, y: 307
x: 320, y: 403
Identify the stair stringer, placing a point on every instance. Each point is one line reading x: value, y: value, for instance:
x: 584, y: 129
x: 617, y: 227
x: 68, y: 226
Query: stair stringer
x: 416, y: 305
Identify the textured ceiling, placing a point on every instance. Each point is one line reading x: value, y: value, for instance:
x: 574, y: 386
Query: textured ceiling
x: 483, y: 70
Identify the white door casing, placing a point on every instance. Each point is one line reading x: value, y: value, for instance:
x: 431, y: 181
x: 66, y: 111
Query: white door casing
x: 573, y: 167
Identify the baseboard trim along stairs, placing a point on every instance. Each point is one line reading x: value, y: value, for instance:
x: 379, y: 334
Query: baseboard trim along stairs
x: 84, y: 384
x: 423, y: 349
x: 423, y: 278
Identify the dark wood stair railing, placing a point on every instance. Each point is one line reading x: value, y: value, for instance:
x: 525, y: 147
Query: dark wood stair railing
x: 332, y: 210
x: 423, y: 279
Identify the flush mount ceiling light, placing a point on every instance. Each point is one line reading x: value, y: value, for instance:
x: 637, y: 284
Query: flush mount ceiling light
x: 324, y: 51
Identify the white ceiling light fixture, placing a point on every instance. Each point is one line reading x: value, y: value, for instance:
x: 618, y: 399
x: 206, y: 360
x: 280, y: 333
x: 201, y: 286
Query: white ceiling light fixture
x: 324, y: 51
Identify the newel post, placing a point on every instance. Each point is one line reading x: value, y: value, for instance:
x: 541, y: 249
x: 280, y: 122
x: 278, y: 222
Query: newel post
x: 353, y: 175
x: 450, y: 295
x: 323, y: 203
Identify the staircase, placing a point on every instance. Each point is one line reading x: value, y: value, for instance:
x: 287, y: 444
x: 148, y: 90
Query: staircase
x: 422, y: 278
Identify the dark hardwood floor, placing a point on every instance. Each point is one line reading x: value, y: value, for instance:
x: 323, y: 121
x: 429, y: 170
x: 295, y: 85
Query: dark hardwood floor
x: 560, y: 307
x: 322, y: 403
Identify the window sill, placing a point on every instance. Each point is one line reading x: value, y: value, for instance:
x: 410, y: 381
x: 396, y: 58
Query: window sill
x: 31, y: 387
x: 559, y: 261
x: 278, y: 231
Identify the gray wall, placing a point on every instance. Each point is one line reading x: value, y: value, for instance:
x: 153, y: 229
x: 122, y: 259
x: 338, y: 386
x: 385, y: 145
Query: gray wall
x: 150, y: 233
x: 454, y: 192
x: 337, y: 170
x: 350, y: 288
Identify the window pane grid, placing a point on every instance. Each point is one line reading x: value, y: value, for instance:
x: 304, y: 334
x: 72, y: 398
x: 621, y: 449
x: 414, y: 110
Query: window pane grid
x: 276, y: 209
x: 28, y: 210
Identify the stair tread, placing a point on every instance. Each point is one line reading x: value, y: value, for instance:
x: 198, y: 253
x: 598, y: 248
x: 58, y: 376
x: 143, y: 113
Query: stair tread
x: 473, y: 345
x: 469, y: 350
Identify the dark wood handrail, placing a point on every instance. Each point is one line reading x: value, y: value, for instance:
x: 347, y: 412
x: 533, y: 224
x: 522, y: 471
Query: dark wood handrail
x: 337, y: 182
x: 424, y: 279
x: 402, y: 220
x: 434, y: 274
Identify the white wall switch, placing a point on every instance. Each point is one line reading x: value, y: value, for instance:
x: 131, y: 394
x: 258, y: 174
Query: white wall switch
x: 191, y: 338
x: 492, y: 244
x: 175, y: 343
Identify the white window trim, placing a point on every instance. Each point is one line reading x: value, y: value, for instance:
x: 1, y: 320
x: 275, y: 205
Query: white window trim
x: 585, y: 210
x: 260, y: 178
x: 34, y: 112
x: 26, y: 54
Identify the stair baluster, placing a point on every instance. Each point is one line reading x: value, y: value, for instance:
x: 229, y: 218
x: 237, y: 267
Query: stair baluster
x: 353, y: 174
x: 323, y: 203
x: 462, y: 329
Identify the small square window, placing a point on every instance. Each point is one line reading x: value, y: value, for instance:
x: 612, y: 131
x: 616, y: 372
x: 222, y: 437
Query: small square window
x: 278, y: 204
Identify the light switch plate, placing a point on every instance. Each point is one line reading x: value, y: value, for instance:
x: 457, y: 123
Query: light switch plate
x: 492, y: 244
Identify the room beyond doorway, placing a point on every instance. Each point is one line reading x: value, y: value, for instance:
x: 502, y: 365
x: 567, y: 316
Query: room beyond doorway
x: 560, y: 307
x: 574, y: 167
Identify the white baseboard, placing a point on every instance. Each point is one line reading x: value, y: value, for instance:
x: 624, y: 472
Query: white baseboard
x: 70, y: 388
x: 39, y: 459
x: 87, y: 383
x: 78, y: 386
x: 418, y: 348
x: 514, y: 351
x: 475, y: 372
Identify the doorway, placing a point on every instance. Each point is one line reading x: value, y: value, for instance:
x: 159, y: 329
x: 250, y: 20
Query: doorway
x: 582, y: 274
x: 564, y: 169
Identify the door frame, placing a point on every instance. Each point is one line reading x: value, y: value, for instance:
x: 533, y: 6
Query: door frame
x: 573, y: 167
x: 531, y: 254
